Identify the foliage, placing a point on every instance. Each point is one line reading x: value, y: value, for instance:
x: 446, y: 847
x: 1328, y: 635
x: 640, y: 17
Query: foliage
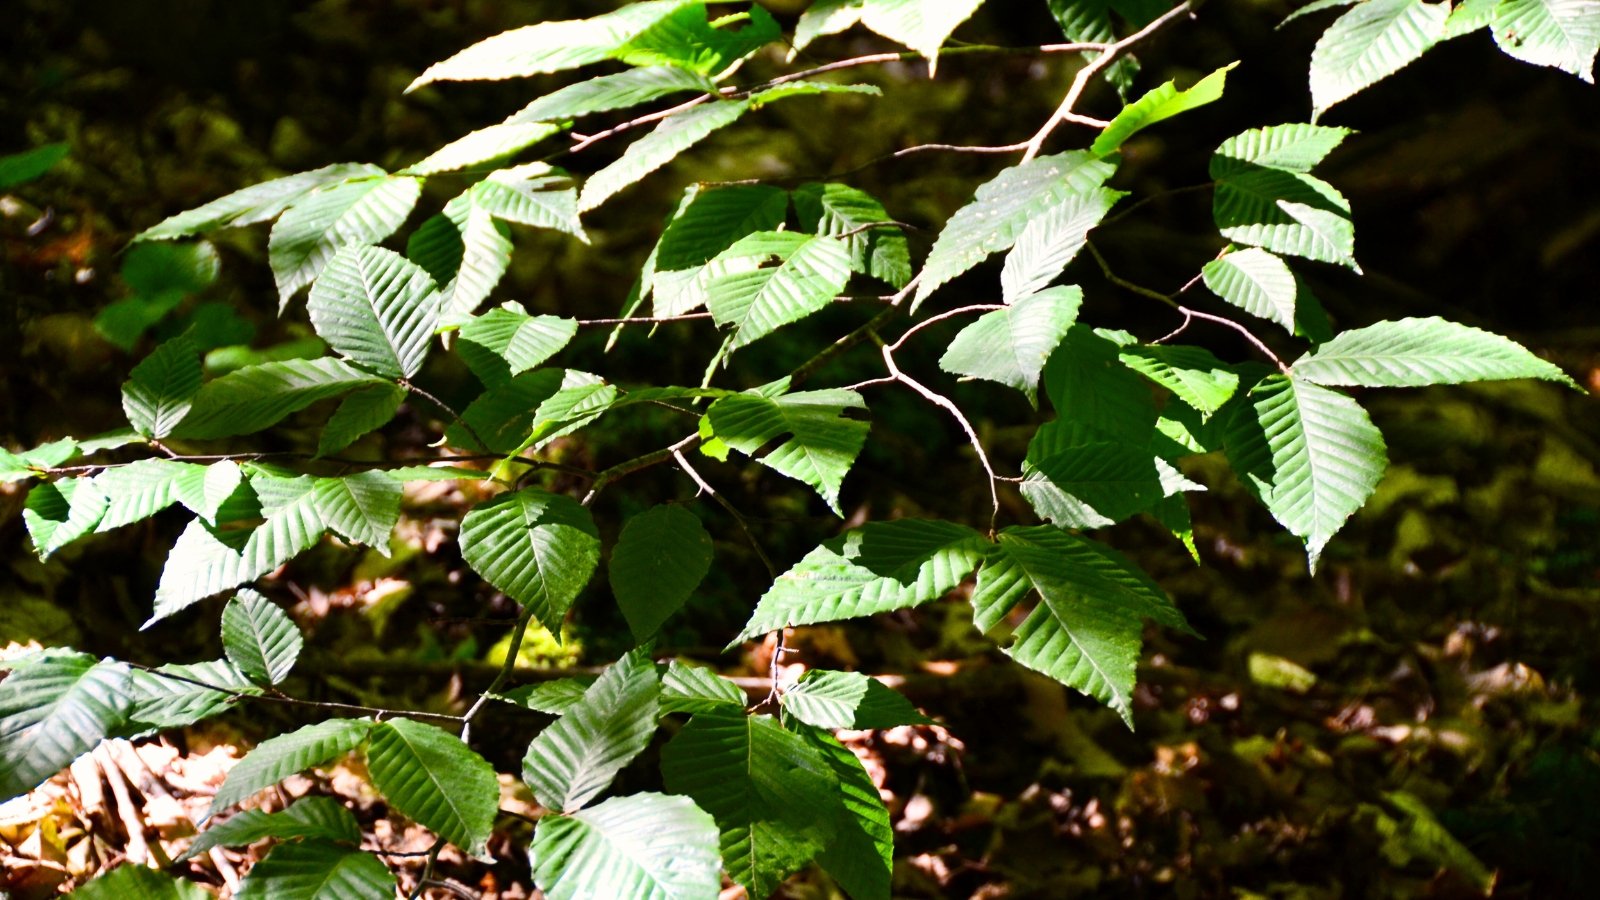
x: 749, y: 794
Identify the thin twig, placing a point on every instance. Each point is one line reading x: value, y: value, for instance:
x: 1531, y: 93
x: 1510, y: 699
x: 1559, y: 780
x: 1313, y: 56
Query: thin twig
x: 628, y: 467
x: 972, y: 435
x: 450, y: 886
x: 455, y: 416
x: 683, y: 462
x: 647, y: 320
x: 296, y: 701
x: 907, y: 56
x: 512, y: 652
x: 1065, y: 112
x: 427, y: 869
x: 1188, y: 312
x: 1159, y: 195
x: 965, y: 310
x: 867, y: 329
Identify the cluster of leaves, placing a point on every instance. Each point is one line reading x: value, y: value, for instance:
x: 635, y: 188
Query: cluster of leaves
x: 752, y: 795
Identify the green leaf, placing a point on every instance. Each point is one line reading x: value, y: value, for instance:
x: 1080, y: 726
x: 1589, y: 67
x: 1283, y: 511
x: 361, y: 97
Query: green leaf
x: 539, y: 548
x: 53, y: 710
x: 549, y: 46
x: 1098, y: 398
x: 708, y: 222
x: 362, y: 211
x: 1417, y: 352
x: 161, y: 702
x: 20, y: 168
x: 159, y: 390
x: 1469, y: 16
x: 774, y: 797
x: 486, y: 145
x: 673, y: 136
x: 1051, y: 240
x: 25, y: 465
x: 1292, y: 148
x: 362, y: 508
x: 1001, y: 210
x: 1192, y: 374
x: 466, y: 248
x: 1161, y: 103
x: 1086, y: 631
x: 260, y: 639
x: 59, y: 512
x: 1310, y: 455
x: 642, y: 847
x: 861, y: 856
x: 1257, y: 282
x: 205, y: 561
x: 1089, y: 21
x: 431, y: 777
x: 1416, y: 832
x: 310, y: 817
x: 809, y: 89
x: 276, y: 758
x: 204, y: 489
x: 757, y: 299
x: 503, y: 343
x: 661, y: 557
x: 822, y: 18
x: 838, y: 209
x: 1370, y: 42
x: 157, y: 270
x: 687, y: 40
x: 361, y: 412
x: 574, y: 760
x: 878, y: 567
x: 257, y: 397
x: 924, y: 27
x: 131, y: 881
x: 829, y: 699
x: 529, y: 195
x: 376, y: 308
x: 1564, y: 34
x: 1010, y: 346
x: 822, y: 444
x: 553, y: 697
x: 604, y: 93
x: 1264, y: 197
x: 582, y: 399
x: 317, y: 870
x: 697, y: 689
x: 257, y: 203
x: 1316, y: 6
x: 503, y: 416
x: 1090, y: 485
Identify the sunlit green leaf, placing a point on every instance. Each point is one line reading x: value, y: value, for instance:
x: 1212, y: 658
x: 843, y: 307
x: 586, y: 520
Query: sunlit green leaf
x: 821, y: 442
x: 774, y: 797
x: 642, y: 847
x: 260, y: 638
x: 539, y: 548
x: 431, y: 777
x: 878, y: 567
x: 575, y: 759
x: 1309, y: 454
x: 362, y: 211
x: 54, y: 710
x: 1417, y: 352
x: 1010, y: 346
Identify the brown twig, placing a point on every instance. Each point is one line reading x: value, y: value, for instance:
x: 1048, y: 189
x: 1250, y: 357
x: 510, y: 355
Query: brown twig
x: 1065, y: 112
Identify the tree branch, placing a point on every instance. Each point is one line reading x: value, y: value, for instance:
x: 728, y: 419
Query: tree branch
x: 1065, y: 112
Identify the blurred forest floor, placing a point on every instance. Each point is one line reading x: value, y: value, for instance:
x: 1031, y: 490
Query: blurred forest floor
x: 1418, y: 720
